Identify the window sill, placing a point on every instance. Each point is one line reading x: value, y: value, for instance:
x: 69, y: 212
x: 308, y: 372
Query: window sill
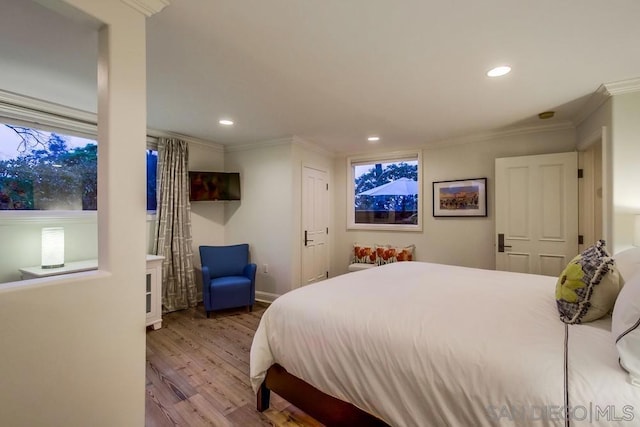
x: 385, y: 227
x: 18, y: 217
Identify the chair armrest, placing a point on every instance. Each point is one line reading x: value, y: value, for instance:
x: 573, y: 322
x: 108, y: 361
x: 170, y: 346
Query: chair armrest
x: 250, y: 272
x: 206, y: 277
x: 206, y: 284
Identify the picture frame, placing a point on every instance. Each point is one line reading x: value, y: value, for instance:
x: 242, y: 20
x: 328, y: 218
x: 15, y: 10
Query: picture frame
x: 460, y: 198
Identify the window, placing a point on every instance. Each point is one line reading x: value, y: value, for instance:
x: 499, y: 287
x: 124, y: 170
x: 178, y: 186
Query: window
x: 385, y: 192
x: 152, y: 166
x: 41, y: 170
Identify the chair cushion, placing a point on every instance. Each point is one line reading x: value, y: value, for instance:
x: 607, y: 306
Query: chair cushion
x: 234, y: 282
x: 228, y: 292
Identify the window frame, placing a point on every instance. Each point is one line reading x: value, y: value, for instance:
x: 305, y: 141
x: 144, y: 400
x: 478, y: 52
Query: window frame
x: 389, y: 157
x: 25, y: 111
x: 152, y: 144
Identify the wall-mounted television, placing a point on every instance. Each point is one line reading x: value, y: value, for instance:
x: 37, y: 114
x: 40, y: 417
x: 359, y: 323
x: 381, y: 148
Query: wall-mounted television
x: 214, y: 186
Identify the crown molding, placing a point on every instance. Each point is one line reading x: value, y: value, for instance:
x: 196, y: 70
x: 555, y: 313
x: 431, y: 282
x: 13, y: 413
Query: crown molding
x: 260, y: 144
x: 487, y: 136
x: 311, y: 146
x: 155, y: 133
x: 293, y: 140
x: 623, y: 86
x: 604, y: 92
x: 147, y: 7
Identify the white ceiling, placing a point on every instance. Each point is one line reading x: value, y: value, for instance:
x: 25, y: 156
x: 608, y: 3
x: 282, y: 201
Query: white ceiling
x: 336, y: 71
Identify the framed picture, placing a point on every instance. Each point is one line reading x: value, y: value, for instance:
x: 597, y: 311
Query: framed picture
x: 460, y: 198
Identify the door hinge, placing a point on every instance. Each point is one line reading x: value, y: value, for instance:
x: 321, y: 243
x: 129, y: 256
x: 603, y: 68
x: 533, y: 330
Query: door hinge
x: 327, y: 186
x: 580, y: 173
x: 327, y: 230
x: 580, y: 239
x: 327, y: 274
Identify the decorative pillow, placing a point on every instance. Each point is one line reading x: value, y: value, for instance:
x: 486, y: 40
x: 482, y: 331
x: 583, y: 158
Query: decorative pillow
x: 625, y: 327
x: 628, y: 263
x: 387, y: 254
x: 364, y: 254
x: 587, y: 288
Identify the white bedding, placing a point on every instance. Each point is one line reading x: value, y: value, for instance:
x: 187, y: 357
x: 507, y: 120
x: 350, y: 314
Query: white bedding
x: 419, y: 344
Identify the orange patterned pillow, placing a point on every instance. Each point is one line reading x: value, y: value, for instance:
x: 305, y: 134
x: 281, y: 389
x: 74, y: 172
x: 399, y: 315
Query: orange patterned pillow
x: 388, y: 254
x: 364, y: 254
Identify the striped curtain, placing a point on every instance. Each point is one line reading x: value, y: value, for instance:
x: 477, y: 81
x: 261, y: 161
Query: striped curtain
x: 173, y: 231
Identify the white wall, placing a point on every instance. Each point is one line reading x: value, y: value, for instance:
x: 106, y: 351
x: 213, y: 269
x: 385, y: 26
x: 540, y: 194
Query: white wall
x: 625, y: 161
x: 458, y: 241
x: 616, y: 120
x: 264, y: 215
x: 73, y: 347
x: 207, y: 218
x: 21, y: 237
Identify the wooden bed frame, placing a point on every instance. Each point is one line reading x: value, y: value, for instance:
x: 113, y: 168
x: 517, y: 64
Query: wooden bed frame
x: 324, y: 408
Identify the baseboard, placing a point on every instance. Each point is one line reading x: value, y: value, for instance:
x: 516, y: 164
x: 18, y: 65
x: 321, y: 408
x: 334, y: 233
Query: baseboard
x: 266, y: 297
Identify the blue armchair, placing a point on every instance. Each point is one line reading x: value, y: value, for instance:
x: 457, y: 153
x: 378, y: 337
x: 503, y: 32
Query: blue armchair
x: 228, y: 279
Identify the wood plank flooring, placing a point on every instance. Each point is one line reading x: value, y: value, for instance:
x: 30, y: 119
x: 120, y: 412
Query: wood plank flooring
x: 198, y: 373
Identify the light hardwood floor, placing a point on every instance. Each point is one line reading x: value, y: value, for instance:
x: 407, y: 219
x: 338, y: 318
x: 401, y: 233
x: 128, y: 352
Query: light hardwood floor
x: 198, y: 373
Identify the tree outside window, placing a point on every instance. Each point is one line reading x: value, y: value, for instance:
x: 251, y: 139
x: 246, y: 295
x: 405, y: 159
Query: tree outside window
x: 42, y: 170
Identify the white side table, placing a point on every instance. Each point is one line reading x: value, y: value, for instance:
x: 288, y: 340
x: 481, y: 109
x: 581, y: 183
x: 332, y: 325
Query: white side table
x: 153, y: 291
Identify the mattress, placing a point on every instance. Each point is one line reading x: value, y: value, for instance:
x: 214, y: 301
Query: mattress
x: 421, y: 344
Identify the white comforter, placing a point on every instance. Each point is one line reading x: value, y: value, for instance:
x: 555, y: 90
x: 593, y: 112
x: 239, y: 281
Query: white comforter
x: 420, y: 344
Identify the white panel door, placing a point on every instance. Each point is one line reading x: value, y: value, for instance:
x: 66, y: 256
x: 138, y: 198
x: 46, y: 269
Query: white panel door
x: 315, y: 214
x: 536, y: 209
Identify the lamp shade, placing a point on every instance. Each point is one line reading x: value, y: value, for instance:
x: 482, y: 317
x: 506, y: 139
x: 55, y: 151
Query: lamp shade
x: 636, y: 232
x: 52, y: 247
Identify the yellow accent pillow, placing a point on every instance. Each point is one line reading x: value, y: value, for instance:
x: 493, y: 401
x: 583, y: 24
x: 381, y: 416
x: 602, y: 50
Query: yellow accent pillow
x: 587, y: 288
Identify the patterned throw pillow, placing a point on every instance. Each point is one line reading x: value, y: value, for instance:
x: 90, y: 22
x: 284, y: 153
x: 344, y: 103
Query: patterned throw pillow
x: 364, y: 254
x: 387, y: 254
x: 587, y: 288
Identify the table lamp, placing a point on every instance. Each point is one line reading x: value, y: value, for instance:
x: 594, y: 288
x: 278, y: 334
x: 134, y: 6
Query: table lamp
x: 52, y: 247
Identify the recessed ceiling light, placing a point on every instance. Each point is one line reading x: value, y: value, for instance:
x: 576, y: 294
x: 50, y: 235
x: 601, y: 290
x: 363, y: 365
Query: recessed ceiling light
x: 546, y: 115
x: 373, y: 138
x: 226, y: 122
x: 499, y: 71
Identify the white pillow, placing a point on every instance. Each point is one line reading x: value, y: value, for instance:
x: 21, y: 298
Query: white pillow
x: 628, y: 262
x: 625, y: 327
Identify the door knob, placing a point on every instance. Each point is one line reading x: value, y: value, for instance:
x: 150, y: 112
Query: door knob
x: 305, y: 238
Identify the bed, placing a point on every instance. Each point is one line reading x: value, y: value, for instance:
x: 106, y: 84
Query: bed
x: 421, y: 344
